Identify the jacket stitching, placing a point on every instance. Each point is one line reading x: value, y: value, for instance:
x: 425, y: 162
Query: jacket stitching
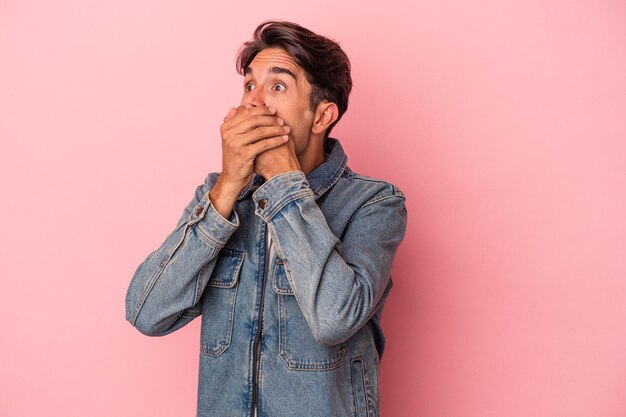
x: 208, y: 239
x: 156, y: 276
x: 307, y: 192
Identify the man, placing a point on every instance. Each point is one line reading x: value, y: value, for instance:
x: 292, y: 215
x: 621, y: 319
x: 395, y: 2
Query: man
x: 287, y: 253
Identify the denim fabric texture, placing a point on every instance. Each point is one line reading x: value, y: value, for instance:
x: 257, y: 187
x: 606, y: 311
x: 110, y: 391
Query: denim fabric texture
x: 302, y: 336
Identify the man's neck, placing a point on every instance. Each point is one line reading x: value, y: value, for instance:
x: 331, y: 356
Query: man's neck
x: 309, y: 166
x: 312, y: 157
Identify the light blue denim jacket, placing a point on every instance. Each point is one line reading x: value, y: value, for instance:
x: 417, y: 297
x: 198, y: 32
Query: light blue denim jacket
x: 305, y: 338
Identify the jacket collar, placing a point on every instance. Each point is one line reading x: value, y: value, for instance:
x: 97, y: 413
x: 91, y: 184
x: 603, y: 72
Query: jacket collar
x: 321, y: 178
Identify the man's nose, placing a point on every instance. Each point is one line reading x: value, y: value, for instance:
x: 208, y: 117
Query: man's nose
x: 254, y: 98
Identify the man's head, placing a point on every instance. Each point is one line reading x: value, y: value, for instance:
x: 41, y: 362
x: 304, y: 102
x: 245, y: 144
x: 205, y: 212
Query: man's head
x: 284, y: 50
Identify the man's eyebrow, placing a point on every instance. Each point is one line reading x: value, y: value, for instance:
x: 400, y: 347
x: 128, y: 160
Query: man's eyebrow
x: 281, y: 70
x: 274, y: 70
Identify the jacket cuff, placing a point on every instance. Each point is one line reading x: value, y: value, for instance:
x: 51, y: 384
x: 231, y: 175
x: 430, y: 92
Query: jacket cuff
x: 279, y: 191
x: 211, y: 225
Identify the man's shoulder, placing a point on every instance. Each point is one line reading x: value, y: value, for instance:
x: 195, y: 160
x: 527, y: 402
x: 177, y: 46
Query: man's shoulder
x: 211, y: 179
x: 368, y: 189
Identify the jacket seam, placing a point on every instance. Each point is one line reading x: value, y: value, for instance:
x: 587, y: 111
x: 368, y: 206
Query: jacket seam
x: 208, y: 239
x: 307, y: 192
x: 380, y: 198
x: 372, y: 201
x: 153, y: 279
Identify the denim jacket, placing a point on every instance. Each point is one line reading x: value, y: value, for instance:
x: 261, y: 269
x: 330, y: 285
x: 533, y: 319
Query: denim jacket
x: 297, y: 337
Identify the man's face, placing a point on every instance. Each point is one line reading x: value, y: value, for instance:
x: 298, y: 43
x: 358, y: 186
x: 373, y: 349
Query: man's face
x: 274, y: 79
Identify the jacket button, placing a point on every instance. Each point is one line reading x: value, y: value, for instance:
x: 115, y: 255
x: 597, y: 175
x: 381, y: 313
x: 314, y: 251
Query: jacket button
x: 263, y: 204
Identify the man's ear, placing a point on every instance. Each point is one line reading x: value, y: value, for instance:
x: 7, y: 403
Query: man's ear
x: 326, y: 114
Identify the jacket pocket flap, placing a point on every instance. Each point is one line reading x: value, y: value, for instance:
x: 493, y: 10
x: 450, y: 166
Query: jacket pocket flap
x: 280, y: 283
x: 227, y: 268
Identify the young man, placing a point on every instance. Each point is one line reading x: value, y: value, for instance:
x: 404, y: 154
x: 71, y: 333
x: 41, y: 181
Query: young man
x: 287, y: 253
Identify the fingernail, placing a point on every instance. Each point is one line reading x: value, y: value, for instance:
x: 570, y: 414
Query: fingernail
x: 280, y: 121
x: 272, y: 109
x: 285, y: 138
x: 287, y: 128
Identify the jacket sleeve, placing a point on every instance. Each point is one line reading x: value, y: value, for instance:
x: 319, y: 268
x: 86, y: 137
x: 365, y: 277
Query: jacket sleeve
x: 164, y: 293
x: 338, y: 283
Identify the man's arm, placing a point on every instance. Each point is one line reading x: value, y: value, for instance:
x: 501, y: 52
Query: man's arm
x: 164, y: 293
x: 337, y: 283
x: 166, y: 289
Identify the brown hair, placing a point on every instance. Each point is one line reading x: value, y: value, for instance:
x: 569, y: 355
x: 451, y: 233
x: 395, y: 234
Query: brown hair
x: 325, y: 64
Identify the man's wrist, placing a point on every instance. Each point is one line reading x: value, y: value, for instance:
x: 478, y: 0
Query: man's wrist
x: 227, y: 186
x: 223, y: 196
x: 281, y: 170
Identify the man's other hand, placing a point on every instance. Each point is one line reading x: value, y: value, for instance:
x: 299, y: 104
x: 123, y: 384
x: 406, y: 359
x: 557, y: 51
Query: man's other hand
x: 277, y: 160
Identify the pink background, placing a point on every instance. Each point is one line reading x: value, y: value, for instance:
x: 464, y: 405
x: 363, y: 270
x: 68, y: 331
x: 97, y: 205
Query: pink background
x: 503, y: 121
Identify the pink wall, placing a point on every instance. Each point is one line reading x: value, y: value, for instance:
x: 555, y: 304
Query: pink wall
x: 502, y: 121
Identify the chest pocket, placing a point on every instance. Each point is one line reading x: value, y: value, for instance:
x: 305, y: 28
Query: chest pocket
x: 298, y: 348
x: 218, y: 302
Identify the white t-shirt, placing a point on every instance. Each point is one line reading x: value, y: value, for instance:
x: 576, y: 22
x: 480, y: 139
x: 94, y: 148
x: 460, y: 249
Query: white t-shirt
x: 269, y: 248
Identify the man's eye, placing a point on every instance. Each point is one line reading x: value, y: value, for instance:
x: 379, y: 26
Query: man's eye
x: 280, y: 87
x: 249, y: 87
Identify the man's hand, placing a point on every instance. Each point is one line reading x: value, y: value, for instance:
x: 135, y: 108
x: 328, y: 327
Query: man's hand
x: 246, y: 133
x: 277, y: 160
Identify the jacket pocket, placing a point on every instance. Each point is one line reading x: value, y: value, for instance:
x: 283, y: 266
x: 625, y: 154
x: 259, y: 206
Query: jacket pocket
x: 360, y: 388
x: 218, y: 302
x: 298, y: 348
